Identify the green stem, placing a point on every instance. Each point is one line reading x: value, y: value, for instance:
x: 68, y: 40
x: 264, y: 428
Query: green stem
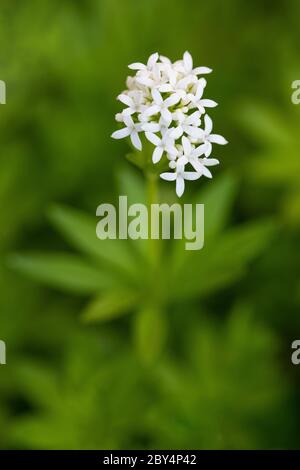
x: 153, y: 198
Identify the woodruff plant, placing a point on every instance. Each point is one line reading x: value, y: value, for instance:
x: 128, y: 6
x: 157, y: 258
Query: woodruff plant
x: 148, y: 278
x: 165, y: 102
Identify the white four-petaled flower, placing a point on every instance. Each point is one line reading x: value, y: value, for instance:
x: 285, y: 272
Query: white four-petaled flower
x: 180, y: 175
x: 208, y: 139
x: 164, y: 100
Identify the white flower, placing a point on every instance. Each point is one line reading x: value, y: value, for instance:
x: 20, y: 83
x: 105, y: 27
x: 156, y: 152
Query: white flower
x: 164, y: 144
x: 187, y: 66
x: 164, y: 102
x: 174, y: 84
x: 197, y: 101
x: 187, y: 123
x: 134, y: 100
x: 209, y: 138
x: 180, y: 175
x: 162, y: 106
x: 192, y: 155
x: 151, y: 62
x: 208, y: 162
x: 132, y: 129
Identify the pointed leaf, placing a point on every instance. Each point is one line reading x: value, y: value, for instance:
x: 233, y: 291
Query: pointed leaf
x: 217, y: 199
x: 223, y: 261
x: 110, y: 305
x: 80, y: 230
x: 62, y: 270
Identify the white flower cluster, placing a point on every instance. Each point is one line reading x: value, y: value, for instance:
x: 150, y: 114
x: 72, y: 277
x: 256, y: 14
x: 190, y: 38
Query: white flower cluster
x: 164, y: 100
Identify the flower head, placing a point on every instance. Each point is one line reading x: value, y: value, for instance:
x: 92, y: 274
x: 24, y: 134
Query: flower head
x: 164, y: 100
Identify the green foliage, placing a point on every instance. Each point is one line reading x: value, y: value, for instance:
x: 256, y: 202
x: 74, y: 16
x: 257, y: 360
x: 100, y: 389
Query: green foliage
x: 277, y: 161
x: 223, y: 261
x: 80, y: 229
x: 209, y: 396
x: 227, y: 378
x: 83, y: 405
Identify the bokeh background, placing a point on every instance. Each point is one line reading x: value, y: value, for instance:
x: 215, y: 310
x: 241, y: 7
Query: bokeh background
x: 99, y: 354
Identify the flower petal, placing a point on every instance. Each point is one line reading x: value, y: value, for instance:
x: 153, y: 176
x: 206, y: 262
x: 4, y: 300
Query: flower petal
x: 135, y: 140
x: 171, y: 150
x: 199, y: 92
x: 151, y: 127
x: 200, y: 108
x: 128, y: 111
x: 197, y: 152
x: 176, y: 133
x: 166, y: 88
x: 208, y: 103
x: 166, y: 115
x: 181, y: 162
x: 173, y: 99
x: 125, y: 99
x: 157, y: 96
x: 183, y: 83
x: 157, y: 154
x: 202, y: 70
x: 121, y: 133
x: 154, y: 109
x: 143, y: 80
x: 191, y: 175
x: 193, y: 119
x: 152, y: 60
x: 194, y: 132
x: 217, y: 139
x: 179, y: 185
x: 172, y: 76
x: 128, y: 120
x: 197, y: 165
x: 206, y: 172
x: 202, y: 81
x: 208, y: 124
x: 187, y: 148
x: 154, y: 139
x: 168, y: 176
x: 137, y: 66
x: 188, y: 61
x: 210, y: 161
x: 165, y: 60
x: 208, y: 149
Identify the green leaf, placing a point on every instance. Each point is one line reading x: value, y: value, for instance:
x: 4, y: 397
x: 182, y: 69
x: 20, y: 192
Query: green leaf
x: 62, y: 270
x: 150, y: 333
x: 217, y: 199
x: 223, y: 261
x: 80, y: 229
x: 110, y: 305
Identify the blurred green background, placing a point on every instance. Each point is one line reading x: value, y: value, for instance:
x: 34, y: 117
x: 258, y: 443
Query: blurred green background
x: 100, y: 355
